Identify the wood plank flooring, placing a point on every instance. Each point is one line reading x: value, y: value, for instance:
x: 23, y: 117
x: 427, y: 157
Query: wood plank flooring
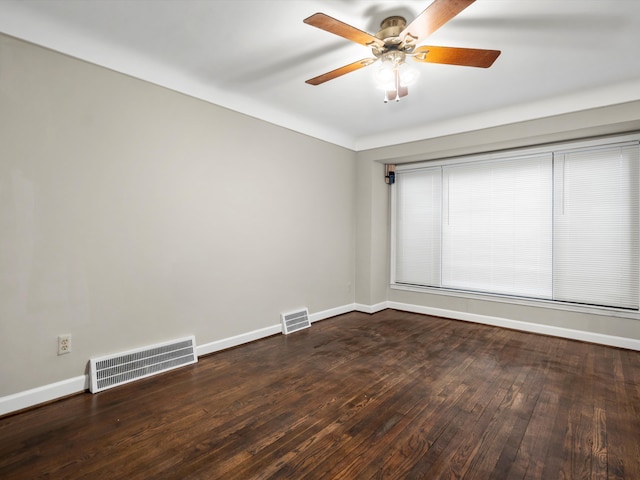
x: 386, y: 396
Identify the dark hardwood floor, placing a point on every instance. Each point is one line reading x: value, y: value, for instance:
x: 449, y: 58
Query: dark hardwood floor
x: 392, y: 395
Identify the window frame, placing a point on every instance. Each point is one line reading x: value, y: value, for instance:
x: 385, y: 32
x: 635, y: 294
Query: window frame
x: 552, y: 148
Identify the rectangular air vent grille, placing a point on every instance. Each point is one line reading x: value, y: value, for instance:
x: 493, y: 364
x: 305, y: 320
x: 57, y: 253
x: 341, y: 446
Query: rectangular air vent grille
x: 112, y: 370
x: 294, y: 321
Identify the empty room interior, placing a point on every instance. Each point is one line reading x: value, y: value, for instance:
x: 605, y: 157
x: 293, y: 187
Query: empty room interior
x: 387, y: 239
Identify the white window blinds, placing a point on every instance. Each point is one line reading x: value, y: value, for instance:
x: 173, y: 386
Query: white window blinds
x: 557, y: 225
x: 418, y: 196
x: 496, y: 233
x: 596, y: 226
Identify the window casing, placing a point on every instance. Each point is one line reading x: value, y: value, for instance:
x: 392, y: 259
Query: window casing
x: 558, y: 225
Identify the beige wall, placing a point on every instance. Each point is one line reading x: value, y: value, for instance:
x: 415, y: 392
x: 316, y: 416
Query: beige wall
x: 131, y: 214
x: 372, y: 272
x: 374, y: 200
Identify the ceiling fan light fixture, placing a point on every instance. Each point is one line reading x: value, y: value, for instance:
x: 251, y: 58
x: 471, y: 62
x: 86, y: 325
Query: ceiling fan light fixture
x: 394, y: 76
x: 408, y: 74
x: 385, y: 75
x: 396, y: 40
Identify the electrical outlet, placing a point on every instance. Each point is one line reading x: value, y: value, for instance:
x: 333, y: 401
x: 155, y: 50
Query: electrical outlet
x: 64, y: 344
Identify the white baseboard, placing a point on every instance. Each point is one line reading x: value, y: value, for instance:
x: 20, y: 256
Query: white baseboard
x: 46, y: 393
x: 378, y: 307
x: 265, y: 332
x: 236, y: 340
x: 332, y: 312
x: 603, y: 339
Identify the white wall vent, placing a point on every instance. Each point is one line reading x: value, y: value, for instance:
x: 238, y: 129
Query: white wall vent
x: 112, y: 370
x: 294, y: 321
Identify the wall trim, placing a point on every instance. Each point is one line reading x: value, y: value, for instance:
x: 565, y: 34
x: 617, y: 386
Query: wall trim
x: 592, y: 337
x: 378, y: 307
x: 236, y: 340
x: 332, y: 312
x: 46, y: 393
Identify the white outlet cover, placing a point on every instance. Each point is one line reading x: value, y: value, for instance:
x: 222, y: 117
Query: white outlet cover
x: 64, y: 344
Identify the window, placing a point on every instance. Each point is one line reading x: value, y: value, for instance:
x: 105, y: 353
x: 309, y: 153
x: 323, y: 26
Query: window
x: 559, y: 225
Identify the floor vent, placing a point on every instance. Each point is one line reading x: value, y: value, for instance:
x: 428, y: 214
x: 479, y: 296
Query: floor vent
x: 113, y: 370
x: 294, y: 321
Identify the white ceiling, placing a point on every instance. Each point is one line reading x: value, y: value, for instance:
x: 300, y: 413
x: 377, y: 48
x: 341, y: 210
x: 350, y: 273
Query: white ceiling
x: 253, y: 56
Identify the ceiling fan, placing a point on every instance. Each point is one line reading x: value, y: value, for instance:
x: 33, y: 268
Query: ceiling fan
x: 396, y: 41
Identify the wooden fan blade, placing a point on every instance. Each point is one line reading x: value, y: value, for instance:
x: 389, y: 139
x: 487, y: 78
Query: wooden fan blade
x: 338, y: 72
x: 432, y: 18
x: 468, y: 57
x: 331, y: 25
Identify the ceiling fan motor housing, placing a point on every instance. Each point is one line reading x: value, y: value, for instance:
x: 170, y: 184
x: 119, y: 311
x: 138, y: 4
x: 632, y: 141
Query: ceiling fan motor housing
x: 389, y: 33
x: 391, y: 27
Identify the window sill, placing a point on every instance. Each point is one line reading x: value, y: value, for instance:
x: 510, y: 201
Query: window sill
x: 570, y: 307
